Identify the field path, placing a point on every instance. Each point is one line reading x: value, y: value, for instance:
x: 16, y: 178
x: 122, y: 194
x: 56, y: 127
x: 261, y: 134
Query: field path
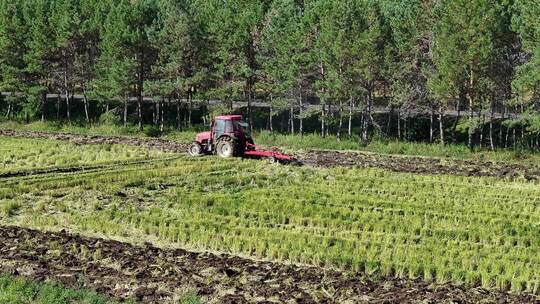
x: 320, y: 158
x: 153, y: 275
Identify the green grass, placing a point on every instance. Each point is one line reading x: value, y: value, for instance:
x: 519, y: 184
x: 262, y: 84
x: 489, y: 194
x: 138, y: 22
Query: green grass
x: 18, y: 154
x: 475, y: 231
x: 296, y: 142
x: 21, y: 291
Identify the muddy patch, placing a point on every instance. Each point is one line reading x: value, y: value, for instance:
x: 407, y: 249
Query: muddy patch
x: 420, y: 165
x: 152, y: 275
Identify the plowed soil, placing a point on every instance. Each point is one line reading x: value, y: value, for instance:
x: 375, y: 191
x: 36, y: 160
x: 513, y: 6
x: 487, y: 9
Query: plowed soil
x: 152, y: 275
x: 419, y: 165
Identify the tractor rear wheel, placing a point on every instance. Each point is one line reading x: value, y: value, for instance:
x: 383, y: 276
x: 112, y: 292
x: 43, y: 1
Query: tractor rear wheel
x: 195, y: 149
x: 226, y: 147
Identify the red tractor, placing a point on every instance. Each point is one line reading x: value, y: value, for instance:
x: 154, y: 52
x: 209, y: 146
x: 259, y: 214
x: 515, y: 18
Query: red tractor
x: 229, y: 137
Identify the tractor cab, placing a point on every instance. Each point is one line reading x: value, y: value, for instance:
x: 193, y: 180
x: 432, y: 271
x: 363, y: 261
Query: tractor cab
x: 230, y: 125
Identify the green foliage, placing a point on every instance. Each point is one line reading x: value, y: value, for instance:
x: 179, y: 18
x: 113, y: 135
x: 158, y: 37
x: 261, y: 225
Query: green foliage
x: 152, y: 131
x: 190, y: 299
x: 16, y: 290
x: 413, y: 56
x: 527, y: 25
x: 108, y: 118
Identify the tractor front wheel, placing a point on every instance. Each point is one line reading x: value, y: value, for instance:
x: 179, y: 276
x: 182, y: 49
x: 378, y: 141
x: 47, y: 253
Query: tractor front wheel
x: 195, y: 149
x: 226, y: 148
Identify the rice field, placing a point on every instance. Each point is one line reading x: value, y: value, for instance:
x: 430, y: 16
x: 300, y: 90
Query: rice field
x: 467, y: 230
x: 21, y: 154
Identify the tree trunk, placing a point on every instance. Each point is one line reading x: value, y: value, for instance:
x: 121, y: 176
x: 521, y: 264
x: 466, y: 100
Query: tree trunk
x: 293, y: 129
x: 323, y: 102
x: 329, y: 115
x: 158, y: 112
x: 514, y: 138
x: 483, y: 121
x: 8, y: 113
x: 323, y: 129
x: 501, y: 127
x: 431, y: 132
x: 405, y: 133
x: 301, y: 114
x: 58, y: 101
x: 471, y: 110
x: 154, y: 115
x: 85, y: 101
x: 250, y: 110
x: 441, y: 125
x: 522, y: 124
x: 340, y: 126
x: 399, y: 123
x: 454, y: 128
x: 66, y: 89
x: 271, y: 114
x: 491, y: 142
x: 161, y: 118
x: 506, y: 137
x: 43, y: 104
x: 125, y: 110
x: 389, y: 122
x: 351, y: 108
x: 140, y: 86
x: 270, y: 119
x: 68, y: 106
x: 190, y: 109
x: 367, y: 118
x: 178, y: 121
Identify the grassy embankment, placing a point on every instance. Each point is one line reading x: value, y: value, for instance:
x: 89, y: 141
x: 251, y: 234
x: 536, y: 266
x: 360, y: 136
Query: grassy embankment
x: 296, y: 142
x: 476, y: 231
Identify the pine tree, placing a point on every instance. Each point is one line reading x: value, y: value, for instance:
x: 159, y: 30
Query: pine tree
x: 40, y: 56
x: 527, y: 24
x: 282, y: 75
x: 236, y: 26
x: 13, y: 36
x: 464, y: 40
x: 182, y: 66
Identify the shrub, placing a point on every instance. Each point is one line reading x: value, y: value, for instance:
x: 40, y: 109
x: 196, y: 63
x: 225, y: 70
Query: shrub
x: 152, y: 131
x: 108, y: 118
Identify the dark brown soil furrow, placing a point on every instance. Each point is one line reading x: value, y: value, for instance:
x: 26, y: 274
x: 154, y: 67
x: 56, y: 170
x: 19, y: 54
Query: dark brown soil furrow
x: 153, y: 275
x: 421, y: 165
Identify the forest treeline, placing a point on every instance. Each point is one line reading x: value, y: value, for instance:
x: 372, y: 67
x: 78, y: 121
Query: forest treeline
x: 480, y: 58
